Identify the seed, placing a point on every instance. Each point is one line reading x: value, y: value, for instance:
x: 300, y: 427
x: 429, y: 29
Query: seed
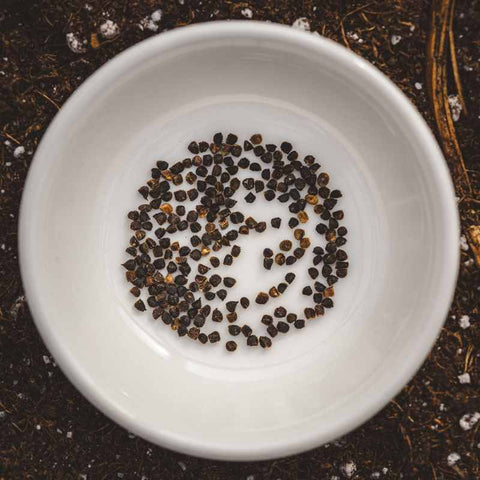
x: 311, y: 199
x: 283, y: 327
x: 250, y: 198
x: 298, y: 233
x: 199, y: 321
x: 313, y: 272
x: 256, y: 139
x: 259, y: 186
x: 303, y: 216
x: 265, y: 342
x: 327, y: 303
x: 290, y: 277
x: 272, y: 330
x: 251, y: 222
x: 229, y: 282
x: 276, y: 222
x: 293, y: 222
x: 341, y: 255
x: 299, y: 252
x: 336, y: 194
x: 326, y: 270
x: 135, y: 291
x: 214, y: 261
x: 329, y: 259
x: 193, y: 333
x: 247, y: 145
x: 267, y: 263
x: 130, y: 264
x: 340, y: 241
x: 228, y: 259
x: 324, y: 192
x: 139, y: 305
x: 236, y: 250
x: 245, y: 302
x: 144, y: 191
x: 234, y: 330
x: 232, y: 317
x: 202, y: 338
x: 218, y: 138
x: 307, y: 290
x: 214, y: 337
x: 323, y: 179
x: 267, y: 319
x: 286, y: 147
x: 280, y: 312
x: 309, y: 313
x: 282, y: 287
x: 269, y: 195
x: 261, y: 298
x: 330, y: 236
x: 321, y: 228
x: 244, y: 230
x: 291, y: 317
x: 342, y: 272
x: 279, y: 258
x: 285, y: 245
x: 342, y: 231
x: 331, y: 279
x: 252, y: 341
x: 231, y: 306
x: 246, y: 330
x: 217, y: 315
x: 267, y: 252
x: 300, y: 323
x: 273, y: 292
x: 261, y: 227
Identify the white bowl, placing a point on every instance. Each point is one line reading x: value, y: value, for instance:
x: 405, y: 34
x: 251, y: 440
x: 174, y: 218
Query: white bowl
x: 315, y: 384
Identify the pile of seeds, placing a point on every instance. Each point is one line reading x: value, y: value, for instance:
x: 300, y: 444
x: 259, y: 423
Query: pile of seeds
x: 181, y: 279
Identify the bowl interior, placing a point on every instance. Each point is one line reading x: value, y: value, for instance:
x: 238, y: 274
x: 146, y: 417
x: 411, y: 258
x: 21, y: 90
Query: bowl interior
x: 314, y: 384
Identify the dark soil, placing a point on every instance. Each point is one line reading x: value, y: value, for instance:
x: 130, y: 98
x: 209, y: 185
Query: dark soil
x: 48, y: 430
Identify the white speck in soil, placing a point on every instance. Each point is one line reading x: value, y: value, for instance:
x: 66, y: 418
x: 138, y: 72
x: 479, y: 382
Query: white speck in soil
x: 455, y: 107
x: 395, y: 39
x: 464, y: 378
x: 302, y: 23
x: 74, y: 44
x: 453, y: 458
x: 109, y: 29
x: 469, y: 420
x: 247, y: 13
x: 348, y: 469
x: 464, y: 322
x: 19, y: 151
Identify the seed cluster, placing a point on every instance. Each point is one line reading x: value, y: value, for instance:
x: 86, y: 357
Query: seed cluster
x: 180, y: 279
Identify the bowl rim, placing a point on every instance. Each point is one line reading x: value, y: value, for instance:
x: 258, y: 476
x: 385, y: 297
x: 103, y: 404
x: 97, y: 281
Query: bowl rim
x: 126, y: 60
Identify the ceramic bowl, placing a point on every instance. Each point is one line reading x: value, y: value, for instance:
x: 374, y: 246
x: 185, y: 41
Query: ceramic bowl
x: 313, y: 385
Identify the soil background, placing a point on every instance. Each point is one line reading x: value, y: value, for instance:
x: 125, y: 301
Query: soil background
x: 430, y: 49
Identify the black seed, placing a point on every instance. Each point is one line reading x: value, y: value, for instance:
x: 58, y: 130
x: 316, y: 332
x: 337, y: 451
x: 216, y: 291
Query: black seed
x: 331, y: 279
x: 285, y: 197
x: 340, y: 241
x: 139, y: 305
x: 259, y: 186
x: 300, y: 323
x: 341, y: 255
x: 231, y: 306
x: 291, y: 317
x: 196, y: 255
x: 214, y: 337
x: 261, y: 227
x: 317, y: 297
x: 293, y: 222
x: 247, y: 145
x: 313, y: 272
x: 309, y: 313
x: 261, y: 298
x: 218, y: 138
x: 248, y: 183
x: 272, y: 330
x: 130, y: 264
x: 193, y: 147
x: 267, y: 263
x: 250, y: 197
x: 290, y: 260
x: 299, y: 252
x: 244, y: 162
x: 283, y: 327
x: 210, y: 296
x: 290, y: 277
x: 199, y: 321
x: 280, y: 312
x: 246, y: 330
x: 182, y: 331
x: 228, y: 260
x: 231, y: 346
x: 286, y: 147
x: 222, y: 294
x: 282, y: 287
x: 335, y: 194
x: 341, y: 272
x: 342, y: 231
x: 255, y: 167
x: 293, y: 155
x: 258, y: 151
x: 326, y: 270
x: 231, y: 139
x: 307, y: 290
x: 324, y: 192
x: 331, y: 247
x: 214, y: 261
x: 327, y: 303
x: 234, y: 330
x: 252, y: 341
x: 276, y: 222
x: 265, y: 342
x: 267, y: 320
x: 329, y: 259
x: 217, y: 315
x: 202, y: 338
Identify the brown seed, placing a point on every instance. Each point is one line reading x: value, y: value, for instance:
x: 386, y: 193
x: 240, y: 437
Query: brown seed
x: 311, y: 199
x: 298, y: 233
x: 280, y: 312
x: 193, y: 333
x: 323, y: 179
x: 236, y: 251
x: 265, y: 342
x: 252, y: 341
x: 285, y: 245
x: 251, y: 223
x: 330, y: 236
x: 303, y: 216
x: 214, y: 261
x: 291, y: 317
x: 329, y: 292
x: 256, y: 139
x: 244, y: 230
x: 135, y: 291
x: 261, y: 298
x: 166, y: 208
x: 305, y: 243
x: 261, y: 227
x: 273, y: 292
x: 279, y: 258
x: 232, y: 317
